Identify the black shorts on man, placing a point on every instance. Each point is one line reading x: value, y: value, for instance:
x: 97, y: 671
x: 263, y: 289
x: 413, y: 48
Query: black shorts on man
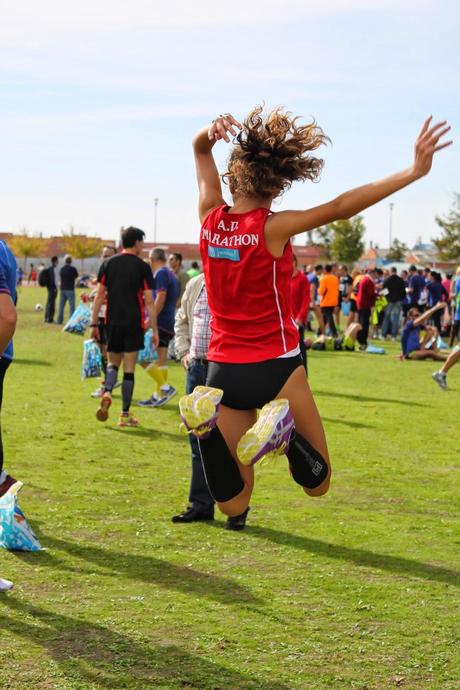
x: 124, y: 339
x: 164, y: 338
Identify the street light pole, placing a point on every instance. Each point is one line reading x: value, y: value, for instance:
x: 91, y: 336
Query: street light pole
x: 155, y: 213
x: 391, y: 225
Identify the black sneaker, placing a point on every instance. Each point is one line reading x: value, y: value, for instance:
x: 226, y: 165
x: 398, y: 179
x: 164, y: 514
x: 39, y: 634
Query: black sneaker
x: 237, y: 522
x: 192, y: 515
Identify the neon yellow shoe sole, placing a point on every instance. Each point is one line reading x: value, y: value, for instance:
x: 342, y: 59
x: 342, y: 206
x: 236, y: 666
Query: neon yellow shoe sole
x: 199, y: 409
x: 269, y: 436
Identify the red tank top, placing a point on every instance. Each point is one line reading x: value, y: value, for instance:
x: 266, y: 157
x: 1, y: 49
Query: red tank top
x: 249, y: 291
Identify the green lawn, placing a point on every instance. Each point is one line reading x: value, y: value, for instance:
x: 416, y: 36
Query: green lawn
x: 358, y: 589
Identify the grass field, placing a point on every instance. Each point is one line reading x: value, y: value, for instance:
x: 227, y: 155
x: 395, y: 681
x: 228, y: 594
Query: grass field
x: 358, y: 589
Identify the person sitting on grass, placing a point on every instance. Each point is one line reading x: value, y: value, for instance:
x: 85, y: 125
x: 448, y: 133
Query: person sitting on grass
x: 441, y: 376
x: 345, y: 342
x: 412, y: 344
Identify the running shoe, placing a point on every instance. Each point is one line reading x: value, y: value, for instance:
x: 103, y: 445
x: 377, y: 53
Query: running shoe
x: 98, y: 393
x: 237, y: 522
x: 150, y: 402
x: 199, y: 410
x: 5, y: 585
x: 440, y: 379
x: 102, y: 413
x: 167, y: 392
x: 269, y: 436
x: 8, y: 482
x: 127, y: 419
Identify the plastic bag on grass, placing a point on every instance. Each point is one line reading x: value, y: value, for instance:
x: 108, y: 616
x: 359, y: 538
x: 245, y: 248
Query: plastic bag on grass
x: 15, y: 532
x: 148, y: 354
x: 79, y: 321
x: 91, y: 365
x: 441, y: 344
x: 374, y: 350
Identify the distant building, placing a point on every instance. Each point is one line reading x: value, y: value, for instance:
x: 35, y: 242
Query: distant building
x: 374, y: 257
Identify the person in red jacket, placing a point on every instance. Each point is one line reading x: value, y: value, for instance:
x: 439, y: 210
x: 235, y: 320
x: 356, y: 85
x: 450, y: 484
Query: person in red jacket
x: 365, y: 301
x: 300, y: 296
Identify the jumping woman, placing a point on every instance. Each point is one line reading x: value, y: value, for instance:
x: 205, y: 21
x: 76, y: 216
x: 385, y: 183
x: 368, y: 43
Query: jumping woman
x: 254, y: 359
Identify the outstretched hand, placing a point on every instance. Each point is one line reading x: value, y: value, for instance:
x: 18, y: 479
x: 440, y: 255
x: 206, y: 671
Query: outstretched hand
x: 427, y: 144
x: 220, y: 127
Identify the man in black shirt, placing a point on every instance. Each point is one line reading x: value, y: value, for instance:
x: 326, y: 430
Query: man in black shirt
x: 51, y: 286
x: 125, y: 281
x: 394, y: 289
x: 68, y: 275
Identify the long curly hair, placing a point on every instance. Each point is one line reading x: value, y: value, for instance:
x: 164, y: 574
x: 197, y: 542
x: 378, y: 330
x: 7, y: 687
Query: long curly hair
x: 271, y: 152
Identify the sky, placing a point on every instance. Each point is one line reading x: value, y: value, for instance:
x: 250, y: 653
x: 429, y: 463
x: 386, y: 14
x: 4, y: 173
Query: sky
x: 99, y: 101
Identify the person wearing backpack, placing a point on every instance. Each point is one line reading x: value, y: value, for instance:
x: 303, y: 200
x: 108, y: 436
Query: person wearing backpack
x: 48, y: 279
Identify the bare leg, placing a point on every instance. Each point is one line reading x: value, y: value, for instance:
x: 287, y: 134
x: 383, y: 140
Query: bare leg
x: 427, y: 354
x: 451, y: 360
x: 353, y: 330
x: 319, y: 318
x: 114, y: 358
x: 129, y: 362
x: 352, y: 318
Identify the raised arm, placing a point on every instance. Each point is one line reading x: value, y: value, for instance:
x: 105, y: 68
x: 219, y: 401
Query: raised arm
x: 281, y: 226
x: 429, y: 313
x: 209, y: 186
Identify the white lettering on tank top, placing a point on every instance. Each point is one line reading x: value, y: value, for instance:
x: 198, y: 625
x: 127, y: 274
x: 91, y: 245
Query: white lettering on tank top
x: 233, y: 226
x: 246, y: 240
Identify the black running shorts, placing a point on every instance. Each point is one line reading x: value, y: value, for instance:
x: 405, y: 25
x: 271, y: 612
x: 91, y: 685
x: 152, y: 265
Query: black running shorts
x: 164, y: 338
x: 251, y: 386
x: 124, y: 338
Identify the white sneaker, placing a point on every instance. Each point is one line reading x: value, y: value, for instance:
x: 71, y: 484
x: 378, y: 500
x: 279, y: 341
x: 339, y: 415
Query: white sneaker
x: 5, y: 585
x: 440, y: 379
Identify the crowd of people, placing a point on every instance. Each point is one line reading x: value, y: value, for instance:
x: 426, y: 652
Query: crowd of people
x: 380, y: 299
x: 239, y: 328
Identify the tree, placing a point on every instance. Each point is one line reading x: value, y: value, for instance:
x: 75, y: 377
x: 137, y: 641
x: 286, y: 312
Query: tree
x: 448, y: 244
x: 25, y: 246
x: 347, y: 243
x: 397, y: 251
x: 80, y: 246
x: 324, y: 234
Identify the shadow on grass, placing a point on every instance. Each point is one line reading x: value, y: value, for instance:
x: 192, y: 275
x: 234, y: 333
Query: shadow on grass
x: 367, y: 398
x: 148, y: 433
x: 141, y: 568
x: 32, y: 362
x: 393, y: 564
x: 354, y: 425
x: 102, y: 657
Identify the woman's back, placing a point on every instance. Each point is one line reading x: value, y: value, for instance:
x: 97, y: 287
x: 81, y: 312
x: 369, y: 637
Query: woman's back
x: 249, y: 291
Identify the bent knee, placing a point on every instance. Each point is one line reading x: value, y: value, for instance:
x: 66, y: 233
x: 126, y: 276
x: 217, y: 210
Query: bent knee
x: 233, y: 508
x: 322, y: 489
